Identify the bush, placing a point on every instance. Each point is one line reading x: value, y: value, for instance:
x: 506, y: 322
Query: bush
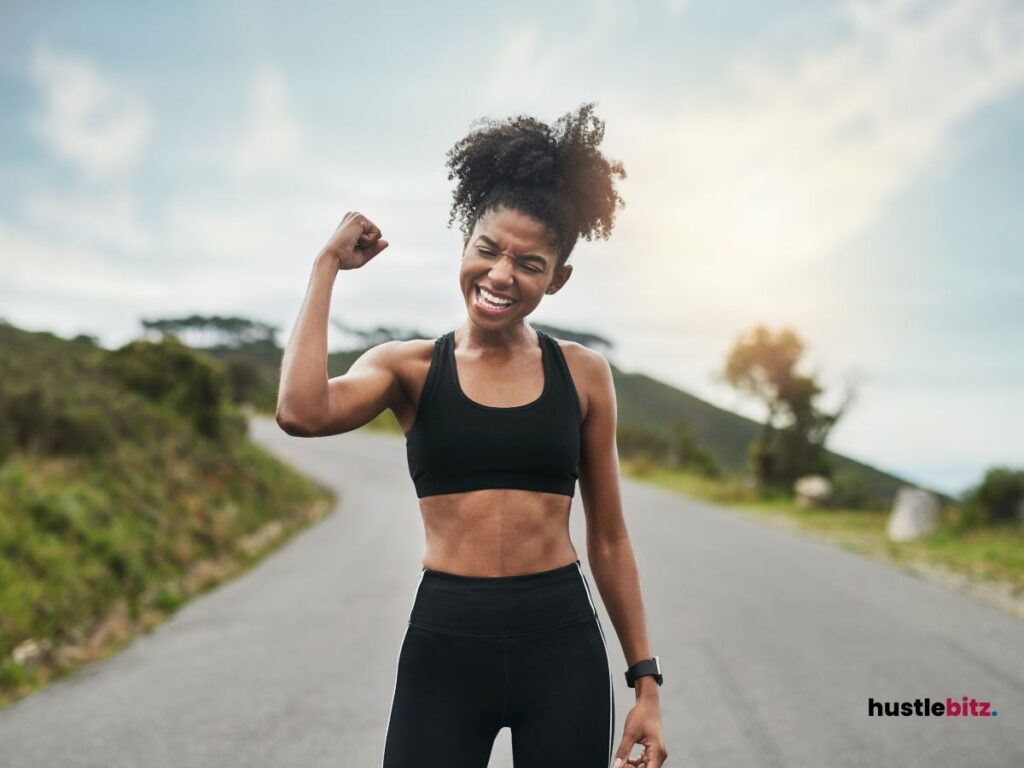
x: 51, y: 417
x: 244, y: 379
x: 690, y: 455
x: 963, y: 518
x: 192, y: 384
x: 633, y: 441
x: 643, y: 464
x: 850, y: 491
x: 998, y: 497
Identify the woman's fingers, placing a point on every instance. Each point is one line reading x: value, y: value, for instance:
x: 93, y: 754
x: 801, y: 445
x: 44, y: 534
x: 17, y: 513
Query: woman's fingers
x: 622, y: 758
x: 356, y: 240
x: 639, y: 760
x: 647, y: 758
x: 375, y: 248
x: 370, y: 235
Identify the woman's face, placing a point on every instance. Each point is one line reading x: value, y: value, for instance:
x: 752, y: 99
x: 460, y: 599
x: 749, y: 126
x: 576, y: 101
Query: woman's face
x: 509, y: 256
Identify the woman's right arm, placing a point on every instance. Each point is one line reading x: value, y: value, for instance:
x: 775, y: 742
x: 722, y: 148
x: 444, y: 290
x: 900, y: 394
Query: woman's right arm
x: 308, y: 404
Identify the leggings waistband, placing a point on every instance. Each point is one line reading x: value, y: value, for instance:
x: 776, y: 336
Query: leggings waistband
x: 502, y: 606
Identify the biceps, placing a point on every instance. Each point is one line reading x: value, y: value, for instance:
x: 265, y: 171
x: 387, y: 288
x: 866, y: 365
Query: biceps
x: 358, y: 396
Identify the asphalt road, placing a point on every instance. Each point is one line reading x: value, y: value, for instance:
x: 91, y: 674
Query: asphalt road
x: 771, y: 644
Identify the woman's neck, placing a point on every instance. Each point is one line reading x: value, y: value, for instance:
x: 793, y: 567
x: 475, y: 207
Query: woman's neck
x: 507, y: 339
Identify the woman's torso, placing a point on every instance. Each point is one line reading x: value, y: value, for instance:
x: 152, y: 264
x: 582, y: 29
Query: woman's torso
x: 491, y: 531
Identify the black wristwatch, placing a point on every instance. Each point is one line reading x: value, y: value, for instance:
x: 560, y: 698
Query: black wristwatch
x: 644, y: 667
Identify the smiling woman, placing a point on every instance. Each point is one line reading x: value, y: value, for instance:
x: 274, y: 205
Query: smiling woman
x: 501, y: 421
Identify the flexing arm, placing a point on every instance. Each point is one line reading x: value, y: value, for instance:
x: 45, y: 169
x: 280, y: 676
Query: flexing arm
x: 308, y: 404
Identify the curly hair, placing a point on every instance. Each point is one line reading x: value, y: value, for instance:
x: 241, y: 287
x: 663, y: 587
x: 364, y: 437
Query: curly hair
x: 555, y: 174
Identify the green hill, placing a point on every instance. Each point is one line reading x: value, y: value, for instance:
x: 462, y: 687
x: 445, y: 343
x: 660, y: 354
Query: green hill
x: 127, y: 483
x: 650, y: 404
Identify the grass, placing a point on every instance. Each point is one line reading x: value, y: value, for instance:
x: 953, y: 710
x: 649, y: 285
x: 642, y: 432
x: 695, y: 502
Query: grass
x: 128, y: 484
x: 99, y: 551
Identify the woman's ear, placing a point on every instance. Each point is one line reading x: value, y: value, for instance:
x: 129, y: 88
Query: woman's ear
x: 561, y: 278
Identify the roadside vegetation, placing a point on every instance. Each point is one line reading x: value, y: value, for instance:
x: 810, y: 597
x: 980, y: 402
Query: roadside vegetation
x: 979, y: 535
x: 127, y: 485
x: 969, y: 540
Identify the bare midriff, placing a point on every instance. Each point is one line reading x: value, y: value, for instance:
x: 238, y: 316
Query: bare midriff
x: 497, y: 532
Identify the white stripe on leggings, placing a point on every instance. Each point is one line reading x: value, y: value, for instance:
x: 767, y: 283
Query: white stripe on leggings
x: 611, y: 687
x: 398, y: 658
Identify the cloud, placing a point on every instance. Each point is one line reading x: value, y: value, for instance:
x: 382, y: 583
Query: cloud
x: 676, y: 7
x: 88, y: 119
x: 49, y: 273
x: 795, y: 154
x: 272, y: 136
x: 533, y: 59
x: 103, y: 219
x: 259, y: 251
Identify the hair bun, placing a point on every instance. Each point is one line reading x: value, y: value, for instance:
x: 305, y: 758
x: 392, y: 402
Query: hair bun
x: 555, y: 173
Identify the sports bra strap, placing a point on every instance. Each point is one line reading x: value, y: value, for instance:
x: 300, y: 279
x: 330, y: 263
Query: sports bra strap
x: 563, y: 367
x: 437, y: 359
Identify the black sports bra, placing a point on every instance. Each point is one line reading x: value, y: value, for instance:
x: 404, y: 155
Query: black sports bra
x: 457, y: 444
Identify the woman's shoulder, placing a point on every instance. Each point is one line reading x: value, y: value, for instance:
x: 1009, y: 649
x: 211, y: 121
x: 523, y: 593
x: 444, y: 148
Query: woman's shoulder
x: 580, y: 355
x: 406, y: 353
x: 590, y: 371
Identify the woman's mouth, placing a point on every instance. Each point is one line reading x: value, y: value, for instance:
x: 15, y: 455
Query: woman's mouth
x: 489, y: 303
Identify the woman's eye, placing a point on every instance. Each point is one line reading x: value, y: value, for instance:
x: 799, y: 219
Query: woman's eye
x: 485, y: 252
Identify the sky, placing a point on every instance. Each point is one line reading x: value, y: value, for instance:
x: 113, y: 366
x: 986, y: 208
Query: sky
x: 853, y: 171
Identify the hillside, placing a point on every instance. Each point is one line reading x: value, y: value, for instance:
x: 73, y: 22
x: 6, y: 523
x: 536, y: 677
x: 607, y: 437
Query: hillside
x: 653, y: 405
x: 127, y: 483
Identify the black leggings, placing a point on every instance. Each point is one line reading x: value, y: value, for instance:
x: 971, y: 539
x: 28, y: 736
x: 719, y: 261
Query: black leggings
x: 482, y: 653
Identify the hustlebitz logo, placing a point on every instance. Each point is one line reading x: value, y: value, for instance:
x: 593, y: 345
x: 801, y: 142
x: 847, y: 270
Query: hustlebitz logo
x: 965, y: 707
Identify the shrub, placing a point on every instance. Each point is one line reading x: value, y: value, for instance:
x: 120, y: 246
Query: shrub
x: 850, y: 491
x: 690, y: 455
x: 999, y: 495
x: 51, y: 416
x: 191, y: 383
x: 633, y: 441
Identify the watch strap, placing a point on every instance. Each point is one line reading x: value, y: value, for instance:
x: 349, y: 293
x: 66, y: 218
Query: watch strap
x: 643, y: 668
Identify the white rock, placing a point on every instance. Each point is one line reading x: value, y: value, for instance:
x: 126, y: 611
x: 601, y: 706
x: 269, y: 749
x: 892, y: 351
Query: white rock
x: 915, y: 513
x: 30, y: 650
x: 811, y: 490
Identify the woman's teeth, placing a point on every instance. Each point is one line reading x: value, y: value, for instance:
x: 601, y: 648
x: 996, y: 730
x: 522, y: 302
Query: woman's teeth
x: 490, y: 301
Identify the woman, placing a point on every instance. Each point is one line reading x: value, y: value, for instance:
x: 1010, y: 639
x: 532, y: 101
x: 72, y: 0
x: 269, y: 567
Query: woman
x: 501, y: 419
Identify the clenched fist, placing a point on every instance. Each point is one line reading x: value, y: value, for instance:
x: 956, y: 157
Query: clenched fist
x: 355, y: 241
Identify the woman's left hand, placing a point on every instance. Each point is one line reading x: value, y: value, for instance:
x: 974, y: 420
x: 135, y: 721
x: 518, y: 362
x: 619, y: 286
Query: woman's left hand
x: 643, y: 727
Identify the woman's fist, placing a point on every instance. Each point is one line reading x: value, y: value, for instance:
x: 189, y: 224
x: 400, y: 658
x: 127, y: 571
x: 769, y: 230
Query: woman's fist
x: 355, y: 241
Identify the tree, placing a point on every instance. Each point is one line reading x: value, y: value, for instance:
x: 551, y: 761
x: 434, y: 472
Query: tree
x: 211, y: 330
x: 791, y: 442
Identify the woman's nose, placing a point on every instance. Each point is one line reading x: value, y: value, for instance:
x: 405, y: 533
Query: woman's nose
x: 503, y: 268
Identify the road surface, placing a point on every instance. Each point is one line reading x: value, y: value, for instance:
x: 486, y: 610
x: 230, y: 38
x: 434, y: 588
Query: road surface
x: 771, y: 644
